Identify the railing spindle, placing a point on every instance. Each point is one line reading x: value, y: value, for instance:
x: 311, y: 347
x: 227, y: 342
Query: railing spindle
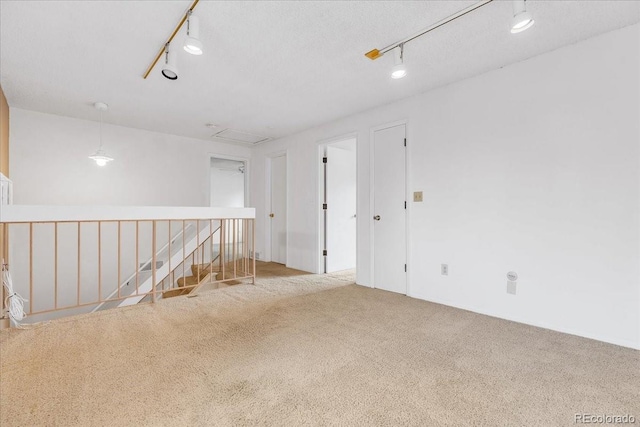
x: 99, y: 260
x: 184, y: 256
x: 79, y: 265
x: 197, y: 247
x: 30, y: 268
x: 55, y: 266
x: 211, y: 251
x: 245, y: 247
x: 153, y: 262
x: 137, y: 257
x: 170, y: 271
x: 223, y: 244
x: 119, y: 257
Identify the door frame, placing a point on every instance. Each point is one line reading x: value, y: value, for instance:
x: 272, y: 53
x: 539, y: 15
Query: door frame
x: 322, y: 144
x: 247, y: 173
x: 407, y: 181
x: 268, y: 167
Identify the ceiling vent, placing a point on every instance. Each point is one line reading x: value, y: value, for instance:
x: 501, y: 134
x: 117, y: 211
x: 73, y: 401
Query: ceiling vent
x: 239, y: 136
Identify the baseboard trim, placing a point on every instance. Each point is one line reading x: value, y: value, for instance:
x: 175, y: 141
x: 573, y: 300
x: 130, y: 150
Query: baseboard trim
x: 620, y: 342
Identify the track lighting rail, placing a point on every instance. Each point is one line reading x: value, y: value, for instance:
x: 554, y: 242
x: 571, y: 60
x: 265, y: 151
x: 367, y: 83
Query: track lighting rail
x: 377, y: 53
x: 175, y: 31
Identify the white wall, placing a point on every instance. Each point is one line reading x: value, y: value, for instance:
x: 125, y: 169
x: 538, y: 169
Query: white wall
x: 50, y: 165
x: 534, y: 167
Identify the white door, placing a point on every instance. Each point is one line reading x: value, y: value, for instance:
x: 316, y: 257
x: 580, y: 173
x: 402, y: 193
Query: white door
x: 278, y: 214
x: 389, y: 213
x: 341, y: 208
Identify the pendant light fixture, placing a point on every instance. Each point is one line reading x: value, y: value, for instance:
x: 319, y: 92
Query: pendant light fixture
x: 170, y: 68
x: 399, y: 70
x: 522, y: 19
x: 100, y: 156
x: 192, y: 44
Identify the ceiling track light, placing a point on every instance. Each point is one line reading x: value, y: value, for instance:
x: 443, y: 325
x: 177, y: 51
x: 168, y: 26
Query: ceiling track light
x: 399, y: 70
x: 522, y: 19
x: 192, y: 44
x: 170, y: 39
x: 100, y: 156
x: 377, y: 53
x: 170, y: 69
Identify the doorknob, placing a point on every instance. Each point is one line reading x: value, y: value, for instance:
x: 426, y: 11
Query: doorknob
x: 271, y: 215
x: 377, y: 217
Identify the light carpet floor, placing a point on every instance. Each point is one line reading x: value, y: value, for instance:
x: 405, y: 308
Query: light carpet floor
x: 306, y: 350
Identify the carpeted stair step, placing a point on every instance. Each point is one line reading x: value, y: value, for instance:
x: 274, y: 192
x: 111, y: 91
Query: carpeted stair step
x: 187, y: 281
x: 176, y: 292
x: 203, y: 269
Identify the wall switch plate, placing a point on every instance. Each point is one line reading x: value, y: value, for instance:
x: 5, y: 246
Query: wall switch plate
x: 511, y: 287
x: 444, y: 269
x: 417, y: 196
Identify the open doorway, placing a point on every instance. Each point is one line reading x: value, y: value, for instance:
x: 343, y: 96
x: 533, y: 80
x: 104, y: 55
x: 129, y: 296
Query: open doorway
x: 228, y: 183
x: 338, y: 225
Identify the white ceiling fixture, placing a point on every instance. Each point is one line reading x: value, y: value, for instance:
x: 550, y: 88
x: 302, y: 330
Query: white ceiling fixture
x: 100, y: 156
x: 399, y: 70
x: 377, y: 53
x: 192, y: 44
x: 522, y: 19
x: 170, y: 68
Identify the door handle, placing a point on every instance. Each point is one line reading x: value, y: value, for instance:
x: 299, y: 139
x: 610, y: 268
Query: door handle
x: 271, y: 215
x: 377, y: 217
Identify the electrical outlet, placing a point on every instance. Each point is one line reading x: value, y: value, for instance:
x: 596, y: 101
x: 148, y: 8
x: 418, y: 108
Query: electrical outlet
x: 511, y: 287
x: 417, y: 196
x: 257, y: 255
x: 444, y: 269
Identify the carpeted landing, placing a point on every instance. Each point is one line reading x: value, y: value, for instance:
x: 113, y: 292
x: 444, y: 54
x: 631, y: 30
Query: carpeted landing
x: 306, y: 350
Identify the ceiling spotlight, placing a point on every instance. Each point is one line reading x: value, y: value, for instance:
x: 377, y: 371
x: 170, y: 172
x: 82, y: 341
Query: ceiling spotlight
x: 192, y: 44
x: 170, y: 69
x: 522, y: 19
x: 100, y: 156
x: 399, y: 70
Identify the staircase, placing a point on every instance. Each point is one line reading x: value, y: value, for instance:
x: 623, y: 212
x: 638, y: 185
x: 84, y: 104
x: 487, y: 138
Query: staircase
x: 201, y: 274
x: 194, y: 241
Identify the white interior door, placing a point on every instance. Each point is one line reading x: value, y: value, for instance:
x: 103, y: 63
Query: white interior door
x: 389, y: 213
x: 341, y: 208
x: 278, y: 214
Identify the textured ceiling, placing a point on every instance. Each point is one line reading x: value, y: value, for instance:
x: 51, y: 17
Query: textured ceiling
x: 270, y: 68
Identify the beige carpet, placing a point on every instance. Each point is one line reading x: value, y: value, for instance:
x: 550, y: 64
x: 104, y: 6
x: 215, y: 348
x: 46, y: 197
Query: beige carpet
x: 306, y: 350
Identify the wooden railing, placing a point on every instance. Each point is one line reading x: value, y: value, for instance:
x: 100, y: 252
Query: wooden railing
x: 67, y: 261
